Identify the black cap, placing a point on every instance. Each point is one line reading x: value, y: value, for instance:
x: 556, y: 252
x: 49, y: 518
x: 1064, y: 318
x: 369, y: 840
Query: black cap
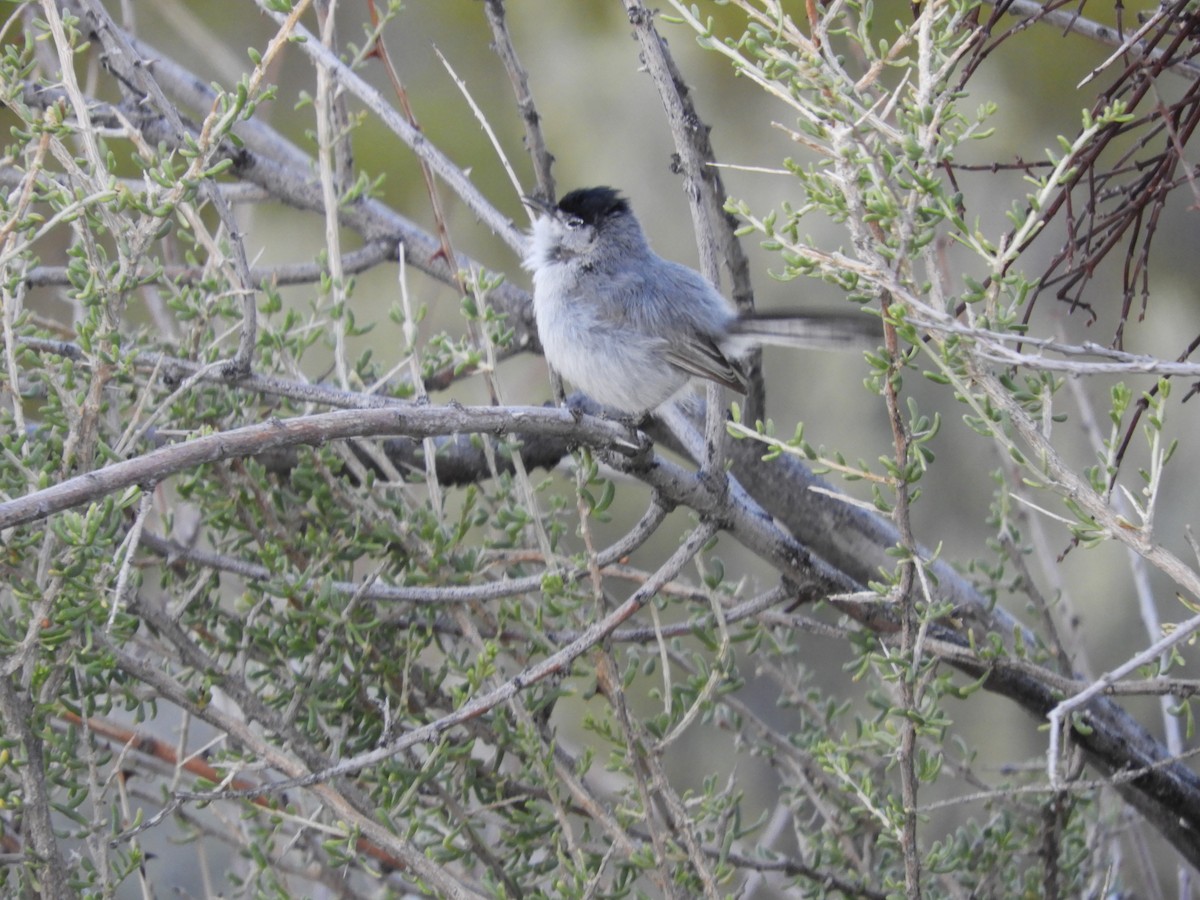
x: 593, y: 204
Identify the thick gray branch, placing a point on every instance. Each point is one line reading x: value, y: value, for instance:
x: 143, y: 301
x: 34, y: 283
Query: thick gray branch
x: 413, y: 421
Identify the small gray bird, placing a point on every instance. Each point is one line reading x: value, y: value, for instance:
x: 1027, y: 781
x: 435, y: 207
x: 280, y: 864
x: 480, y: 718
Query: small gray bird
x: 631, y: 329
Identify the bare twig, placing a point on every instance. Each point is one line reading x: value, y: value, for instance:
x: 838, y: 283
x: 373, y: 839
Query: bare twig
x: 353, y: 262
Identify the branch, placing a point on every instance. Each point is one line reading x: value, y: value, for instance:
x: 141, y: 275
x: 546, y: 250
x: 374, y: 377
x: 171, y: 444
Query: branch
x: 535, y: 140
x: 353, y: 262
x: 252, y: 440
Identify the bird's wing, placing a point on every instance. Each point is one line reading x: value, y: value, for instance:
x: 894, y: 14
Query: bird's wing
x: 701, y: 357
x: 698, y: 354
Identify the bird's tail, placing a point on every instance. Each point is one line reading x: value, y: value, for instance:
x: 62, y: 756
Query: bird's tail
x: 809, y: 331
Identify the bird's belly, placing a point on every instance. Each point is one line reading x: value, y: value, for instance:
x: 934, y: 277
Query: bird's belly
x: 615, y: 366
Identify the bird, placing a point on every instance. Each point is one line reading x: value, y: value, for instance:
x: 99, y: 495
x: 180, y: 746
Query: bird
x: 630, y: 329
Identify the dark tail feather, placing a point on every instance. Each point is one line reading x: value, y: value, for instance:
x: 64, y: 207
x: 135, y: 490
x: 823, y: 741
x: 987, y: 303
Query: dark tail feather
x: 810, y: 331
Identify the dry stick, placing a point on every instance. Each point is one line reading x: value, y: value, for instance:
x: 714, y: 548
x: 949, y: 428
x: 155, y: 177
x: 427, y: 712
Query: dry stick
x: 609, y: 684
x: 174, y: 368
x: 421, y: 596
x: 127, y: 550
x: 150, y: 746
x: 1107, y: 684
x: 459, y: 460
x: 912, y: 643
x: 993, y: 347
x: 1139, y: 570
x: 409, y: 326
x: 610, y: 687
x: 332, y: 167
x: 755, y: 608
x: 1070, y: 20
x: 340, y: 119
x: 380, y: 51
x: 690, y: 135
x: 482, y: 119
x: 11, y: 302
x: 910, y: 649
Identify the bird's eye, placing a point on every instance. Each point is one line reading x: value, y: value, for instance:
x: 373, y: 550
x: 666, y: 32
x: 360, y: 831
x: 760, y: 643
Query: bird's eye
x: 574, y: 222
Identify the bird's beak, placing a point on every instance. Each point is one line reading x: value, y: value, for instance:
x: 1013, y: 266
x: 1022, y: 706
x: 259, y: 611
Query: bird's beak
x: 537, y: 204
